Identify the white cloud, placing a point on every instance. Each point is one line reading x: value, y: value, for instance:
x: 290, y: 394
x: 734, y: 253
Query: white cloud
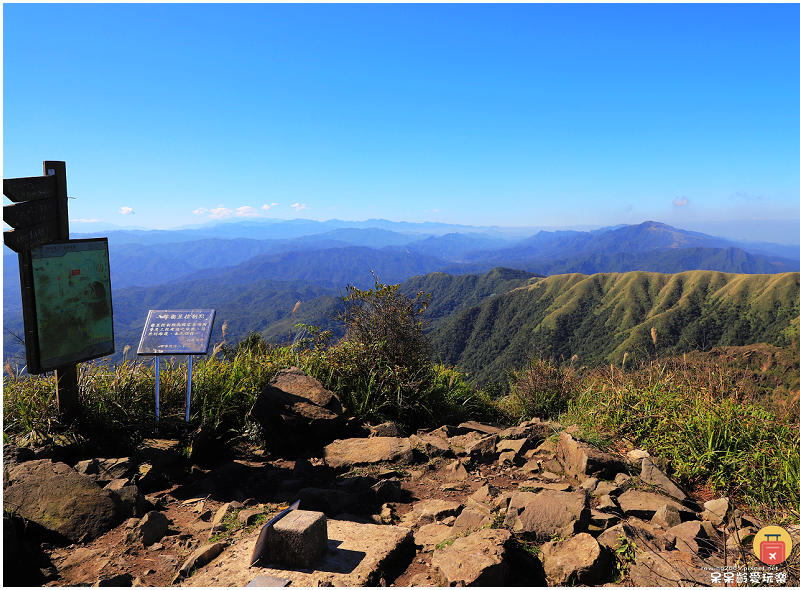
x: 681, y: 202
x: 85, y: 220
x: 435, y: 210
x: 220, y: 212
x: 268, y: 207
x: 246, y: 212
x: 200, y: 211
x: 299, y: 207
x: 127, y: 211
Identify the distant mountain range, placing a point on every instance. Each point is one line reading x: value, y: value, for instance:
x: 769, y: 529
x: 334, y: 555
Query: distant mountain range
x: 254, y: 273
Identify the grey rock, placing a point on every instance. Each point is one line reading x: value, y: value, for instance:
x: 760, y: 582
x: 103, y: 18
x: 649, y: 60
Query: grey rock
x: 149, y: 529
x: 481, y: 427
x: 200, y: 557
x: 133, y: 502
x: 581, y: 460
x: 433, y: 510
x: 607, y: 504
x: 303, y: 469
x: 606, y: 487
x: 635, y: 531
x: 668, y: 568
x: 666, y: 517
x: 655, y: 477
x: 428, y: 536
x: 123, y: 580
x: 483, y: 450
x: 430, y: 444
x: 107, y: 469
x: 347, y: 453
x: 693, y: 537
x: 159, y: 452
x: 478, y: 559
x: 56, y: 497
x: 716, y: 511
x: 299, y: 538
x: 390, y: 490
x: 471, y: 519
x: 330, y: 502
x: 547, y: 513
x: 578, y: 560
x: 296, y: 412
x: 645, y: 504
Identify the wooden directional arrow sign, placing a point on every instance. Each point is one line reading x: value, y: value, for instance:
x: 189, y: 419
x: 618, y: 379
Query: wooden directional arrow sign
x: 30, y: 213
x: 32, y: 236
x: 29, y: 189
x: 35, y: 215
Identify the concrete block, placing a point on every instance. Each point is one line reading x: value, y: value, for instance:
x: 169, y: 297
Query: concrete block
x: 299, y: 538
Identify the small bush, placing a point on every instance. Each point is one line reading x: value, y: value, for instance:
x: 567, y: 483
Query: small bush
x: 542, y: 388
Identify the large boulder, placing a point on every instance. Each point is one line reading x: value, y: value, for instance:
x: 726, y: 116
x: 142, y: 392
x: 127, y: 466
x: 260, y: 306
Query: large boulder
x: 582, y: 460
x: 478, y: 559
x: 61, y: 501
x: 107, y: 470
x: 645, y: 505
x: 296, y: 412
x: 545, y: 514
x: 660, y: 480
x: 578, y: 560
x: 347, y: 453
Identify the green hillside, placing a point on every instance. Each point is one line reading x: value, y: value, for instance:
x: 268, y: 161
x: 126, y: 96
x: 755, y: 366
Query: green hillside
x: 452, y: 294
x: 601, y: 317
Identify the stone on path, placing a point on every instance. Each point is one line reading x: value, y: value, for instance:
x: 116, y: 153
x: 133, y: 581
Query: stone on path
x: 582, y: 460
x: 355, y: 557
x: 479, y: 559
x: 547, y: 513
x: 149, y: 529
x: 433, y: 510
x: 666, y: 517
x: 430, y: 535
x: 695, y: 536
x: 59, y: 499
x: 655, y: 477
x: 200, y: 557
x: 645, y: 504
x: 716, y: 511
x: 669, y: 568
x: 296, y: 412
x: 577, y: 560
x: 346, y: 453
x: 635, y: 531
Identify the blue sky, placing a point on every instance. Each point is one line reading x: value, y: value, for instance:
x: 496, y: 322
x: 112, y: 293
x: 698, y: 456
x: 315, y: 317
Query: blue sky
x: 510, y: 115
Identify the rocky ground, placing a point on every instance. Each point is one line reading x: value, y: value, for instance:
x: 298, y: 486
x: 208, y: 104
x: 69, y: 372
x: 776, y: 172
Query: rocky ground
x: 466, y: 504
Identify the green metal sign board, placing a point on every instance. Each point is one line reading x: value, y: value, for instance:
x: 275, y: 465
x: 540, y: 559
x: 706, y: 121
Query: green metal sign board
x: 71, y: 290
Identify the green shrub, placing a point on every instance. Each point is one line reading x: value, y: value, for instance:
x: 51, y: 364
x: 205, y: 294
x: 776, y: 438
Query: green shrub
x: 542, y: 388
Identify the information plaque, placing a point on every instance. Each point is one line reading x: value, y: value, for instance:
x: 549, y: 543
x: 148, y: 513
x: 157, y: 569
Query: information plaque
x: 176, y: 331
x: 71, y: 288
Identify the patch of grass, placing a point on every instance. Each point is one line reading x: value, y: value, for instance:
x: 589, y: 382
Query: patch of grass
x: 702, y: 419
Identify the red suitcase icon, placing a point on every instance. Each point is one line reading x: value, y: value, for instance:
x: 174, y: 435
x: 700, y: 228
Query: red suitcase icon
x: 772, y: 552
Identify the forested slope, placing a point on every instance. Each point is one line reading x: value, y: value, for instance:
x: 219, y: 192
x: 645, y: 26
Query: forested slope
x: 603, y: 316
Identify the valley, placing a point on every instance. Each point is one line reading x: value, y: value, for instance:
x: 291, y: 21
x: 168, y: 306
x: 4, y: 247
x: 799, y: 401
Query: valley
x: 497, y: 295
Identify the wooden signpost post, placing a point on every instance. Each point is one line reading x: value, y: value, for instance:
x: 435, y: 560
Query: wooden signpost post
x: 40, y: 217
